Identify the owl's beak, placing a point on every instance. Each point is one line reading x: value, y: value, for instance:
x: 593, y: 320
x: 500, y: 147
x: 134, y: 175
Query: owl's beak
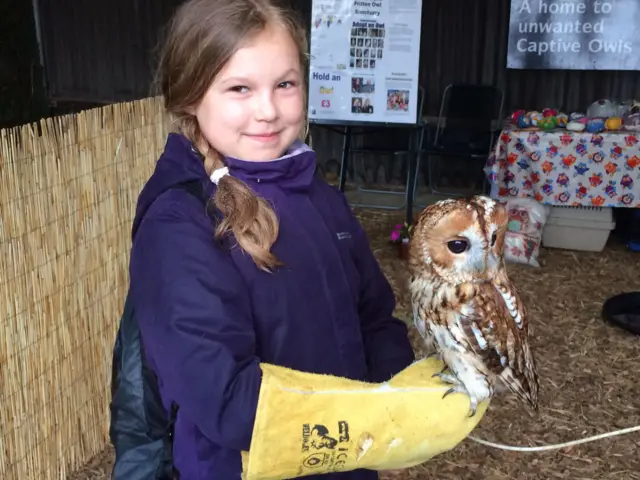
x: 480, y: 266
x: 482, y: 273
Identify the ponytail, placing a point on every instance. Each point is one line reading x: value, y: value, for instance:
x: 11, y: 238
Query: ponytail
x: 248, y: 217
x: 252, y: 221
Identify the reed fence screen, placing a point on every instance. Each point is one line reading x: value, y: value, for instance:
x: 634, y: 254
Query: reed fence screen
x: 68, y: 187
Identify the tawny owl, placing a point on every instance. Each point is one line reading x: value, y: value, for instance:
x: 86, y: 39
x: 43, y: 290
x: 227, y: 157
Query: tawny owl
x: 464, y: 305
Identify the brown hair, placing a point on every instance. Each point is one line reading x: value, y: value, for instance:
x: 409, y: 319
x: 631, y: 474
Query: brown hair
x: 201, y: 38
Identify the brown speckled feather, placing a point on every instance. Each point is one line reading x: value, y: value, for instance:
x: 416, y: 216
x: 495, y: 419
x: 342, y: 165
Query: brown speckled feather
x: 507, y: 353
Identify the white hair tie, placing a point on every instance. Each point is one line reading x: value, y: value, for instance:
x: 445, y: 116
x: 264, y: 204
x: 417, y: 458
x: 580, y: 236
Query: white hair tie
x: 218, y: 174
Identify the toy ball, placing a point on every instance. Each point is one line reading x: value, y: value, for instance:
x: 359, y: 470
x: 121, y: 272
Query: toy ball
x: 613, y: 123
x: 576, y: 126
x: 563, y: 119
x: 549, y: 112
x: 595, y: 125
x: 523, y: 121
x: 535, y: 117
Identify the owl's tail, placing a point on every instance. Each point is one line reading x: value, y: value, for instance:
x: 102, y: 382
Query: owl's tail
x: 525, y: 386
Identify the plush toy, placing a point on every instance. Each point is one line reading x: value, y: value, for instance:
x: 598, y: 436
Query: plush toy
x: 548, y: 123
x: 549, y: 112
x: 632, y: 122
x: 523, y: 121
x: 563, y: 119
x: 595, y: 125
x: 613, y: 123
x: 576, y: 126
x: 602, y: 108
x: 515, y: 116
x: 535, y: 117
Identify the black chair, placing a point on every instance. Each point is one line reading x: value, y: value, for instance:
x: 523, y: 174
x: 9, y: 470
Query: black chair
x: 468, y: 123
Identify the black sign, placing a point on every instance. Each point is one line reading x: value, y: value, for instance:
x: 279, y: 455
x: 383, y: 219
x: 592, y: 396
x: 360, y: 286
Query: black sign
x: 574, y: 35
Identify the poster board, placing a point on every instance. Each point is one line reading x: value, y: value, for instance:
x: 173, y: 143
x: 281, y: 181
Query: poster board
x: 574, y: 35
x: 365, y: 58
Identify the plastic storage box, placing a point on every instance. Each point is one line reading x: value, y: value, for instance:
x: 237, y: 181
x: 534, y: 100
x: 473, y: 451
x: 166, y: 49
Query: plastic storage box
x: 578, y: 228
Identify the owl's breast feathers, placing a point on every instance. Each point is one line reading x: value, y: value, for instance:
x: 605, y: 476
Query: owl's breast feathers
x: 488, y: 321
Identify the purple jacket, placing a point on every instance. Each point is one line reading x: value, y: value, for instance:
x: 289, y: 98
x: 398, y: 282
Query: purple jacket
x: 209, y: 317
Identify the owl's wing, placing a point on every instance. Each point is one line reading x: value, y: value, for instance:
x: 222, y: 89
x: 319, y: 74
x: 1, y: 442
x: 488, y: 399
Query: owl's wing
x: 420, y: 323
x: 496, y: 327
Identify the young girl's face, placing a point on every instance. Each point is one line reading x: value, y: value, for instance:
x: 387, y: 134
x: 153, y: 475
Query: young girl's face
x: 254, y: 108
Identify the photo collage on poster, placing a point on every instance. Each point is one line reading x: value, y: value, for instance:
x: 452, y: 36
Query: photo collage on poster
x: 397, y: 100
x: 362, y: 89
x: 367, y: 46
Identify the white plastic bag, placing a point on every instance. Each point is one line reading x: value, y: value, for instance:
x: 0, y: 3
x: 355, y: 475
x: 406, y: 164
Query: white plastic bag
x: 524, y: 234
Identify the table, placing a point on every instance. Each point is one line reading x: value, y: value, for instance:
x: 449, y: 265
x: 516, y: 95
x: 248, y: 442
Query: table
x: 560, y: 167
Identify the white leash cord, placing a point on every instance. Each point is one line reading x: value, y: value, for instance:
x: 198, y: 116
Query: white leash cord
x: 559, y: 445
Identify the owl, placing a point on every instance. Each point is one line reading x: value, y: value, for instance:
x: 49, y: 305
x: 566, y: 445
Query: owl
x: 464, y: 306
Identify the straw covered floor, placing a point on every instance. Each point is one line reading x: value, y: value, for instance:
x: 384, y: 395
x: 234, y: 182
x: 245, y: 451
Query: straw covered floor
x: 588, y: 369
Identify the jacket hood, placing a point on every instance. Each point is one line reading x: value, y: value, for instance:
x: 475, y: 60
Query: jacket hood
x: 181, y: 163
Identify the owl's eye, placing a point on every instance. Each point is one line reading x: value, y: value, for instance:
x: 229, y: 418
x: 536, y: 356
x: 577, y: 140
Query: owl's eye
x: 457, y: 246
x: 494, y: 237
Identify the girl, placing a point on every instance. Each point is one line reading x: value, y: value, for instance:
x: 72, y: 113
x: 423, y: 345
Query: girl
x: 284, y: 277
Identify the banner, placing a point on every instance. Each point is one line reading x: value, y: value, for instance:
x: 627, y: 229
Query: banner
x: 365, y: 57
x: 574, y: 35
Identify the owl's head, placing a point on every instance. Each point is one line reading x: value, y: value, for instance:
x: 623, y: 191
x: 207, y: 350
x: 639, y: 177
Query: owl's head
x: 462, y: 240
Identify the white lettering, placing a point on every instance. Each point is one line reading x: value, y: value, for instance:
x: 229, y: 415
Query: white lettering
x: 553, y: 46
x: 602, y: 7
x: 566, y: 8
x: 525, y: 6
x: 522, y: 45
x: 561, y: 27
x: 601, y: 46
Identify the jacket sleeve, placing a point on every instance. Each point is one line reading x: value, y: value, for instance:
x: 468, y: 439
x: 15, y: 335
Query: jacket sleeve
x: 196, y: 324
x: 386, y: 340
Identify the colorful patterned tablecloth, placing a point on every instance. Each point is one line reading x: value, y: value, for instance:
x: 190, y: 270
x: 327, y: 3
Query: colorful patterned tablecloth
x: 560, y: 167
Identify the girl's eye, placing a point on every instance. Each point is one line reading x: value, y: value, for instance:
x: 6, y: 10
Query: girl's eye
x: 286, y: 85
x: 239, y: 89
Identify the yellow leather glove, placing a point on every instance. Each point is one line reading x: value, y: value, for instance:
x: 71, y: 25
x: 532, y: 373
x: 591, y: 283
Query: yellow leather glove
x: 315, y: 424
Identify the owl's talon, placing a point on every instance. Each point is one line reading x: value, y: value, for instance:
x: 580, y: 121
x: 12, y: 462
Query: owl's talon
x: 457, y: 388
x: 451, y: 390
x: 446, y: 377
